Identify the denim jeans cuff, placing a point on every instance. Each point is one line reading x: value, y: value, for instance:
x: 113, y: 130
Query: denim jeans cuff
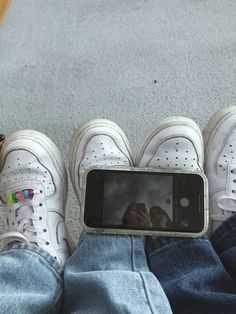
x: 158, y: 243
x: 41, y: 253
x: 224, y: 237
x: 110, y: 252
x: 152, y: 244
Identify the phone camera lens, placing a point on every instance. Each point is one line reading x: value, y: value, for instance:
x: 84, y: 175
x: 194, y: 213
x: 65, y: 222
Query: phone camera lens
x: 184, y: 202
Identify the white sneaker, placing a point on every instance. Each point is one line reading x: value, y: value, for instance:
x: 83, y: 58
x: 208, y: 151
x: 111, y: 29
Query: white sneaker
x: 175, y: 142
x: 98, y: 142
x: 33, y: 187
x: 220, y: 165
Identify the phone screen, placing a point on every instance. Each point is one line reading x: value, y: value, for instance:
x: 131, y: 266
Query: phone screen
x: 144, y: 201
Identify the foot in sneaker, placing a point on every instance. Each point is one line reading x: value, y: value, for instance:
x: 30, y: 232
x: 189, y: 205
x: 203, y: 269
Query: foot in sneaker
x: 97, y: 143
x: 175, y: 143
x: 33, y: 187
x: 220, y: 165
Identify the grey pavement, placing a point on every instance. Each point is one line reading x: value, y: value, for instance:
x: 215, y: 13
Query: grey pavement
x: 134, y: 62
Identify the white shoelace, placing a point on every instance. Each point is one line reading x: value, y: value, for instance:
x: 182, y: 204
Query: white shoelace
x: 23, y: 228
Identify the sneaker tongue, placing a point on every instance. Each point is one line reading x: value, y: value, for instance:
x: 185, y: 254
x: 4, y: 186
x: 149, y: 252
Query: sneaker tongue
x: 24, y: 223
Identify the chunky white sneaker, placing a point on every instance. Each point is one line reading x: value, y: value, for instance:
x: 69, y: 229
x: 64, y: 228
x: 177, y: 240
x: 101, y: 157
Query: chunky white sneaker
x: 33, y: 187
x: 175, y: 142
x: 98, y: 142
x: 220, y: 165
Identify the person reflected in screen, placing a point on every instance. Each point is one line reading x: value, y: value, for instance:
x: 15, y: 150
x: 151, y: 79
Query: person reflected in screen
x: 136, y: 215
x: 159, y: 218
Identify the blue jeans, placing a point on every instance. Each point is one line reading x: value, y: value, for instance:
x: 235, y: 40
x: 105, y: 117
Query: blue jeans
x: 198, y: 275
x: 106, y: 274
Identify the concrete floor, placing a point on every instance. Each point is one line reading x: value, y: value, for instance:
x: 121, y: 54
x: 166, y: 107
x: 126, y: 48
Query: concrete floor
x: 135, y: 62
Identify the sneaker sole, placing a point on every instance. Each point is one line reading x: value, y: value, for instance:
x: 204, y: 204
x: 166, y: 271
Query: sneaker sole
x: 83, y: 129
x: 169, y: 122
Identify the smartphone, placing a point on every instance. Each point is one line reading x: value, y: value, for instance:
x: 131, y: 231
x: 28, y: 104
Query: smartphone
x: 145, y: 202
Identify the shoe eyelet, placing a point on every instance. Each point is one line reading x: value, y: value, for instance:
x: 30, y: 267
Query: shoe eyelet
x: 40, y: 218
x: 47, y: 243
x: 40, y: 204
x: 44, y: 230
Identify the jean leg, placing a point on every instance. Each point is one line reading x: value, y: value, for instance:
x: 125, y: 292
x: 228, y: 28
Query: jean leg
x: 30, y: 281
x: 109, y: 274
x: 192, y: 275
x: 224, y: 243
